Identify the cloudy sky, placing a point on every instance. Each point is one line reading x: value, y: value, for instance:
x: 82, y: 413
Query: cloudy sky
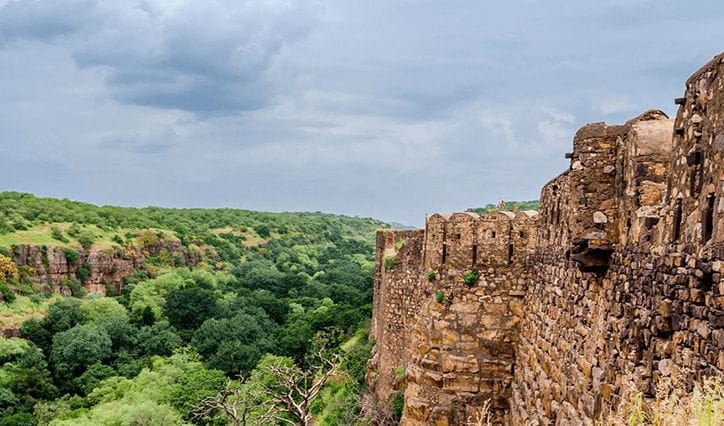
x: 389, y: 108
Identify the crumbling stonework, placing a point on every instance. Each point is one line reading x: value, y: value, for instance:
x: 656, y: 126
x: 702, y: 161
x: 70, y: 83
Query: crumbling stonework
x: 618, y: 277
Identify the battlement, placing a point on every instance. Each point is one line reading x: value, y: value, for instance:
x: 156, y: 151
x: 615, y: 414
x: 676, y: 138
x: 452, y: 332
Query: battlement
x: 468, y: 241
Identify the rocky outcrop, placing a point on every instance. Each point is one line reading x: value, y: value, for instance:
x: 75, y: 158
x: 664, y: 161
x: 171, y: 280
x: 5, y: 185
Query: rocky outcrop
x: 544, y: 319
x: 102, y: 269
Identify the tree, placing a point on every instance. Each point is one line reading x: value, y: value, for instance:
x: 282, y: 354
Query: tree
x: 290, y: 390
x: 235, y: 345
x: 158, y: 339
x: 238, y: 400
x: 76, y: 349
x: 188, y: 308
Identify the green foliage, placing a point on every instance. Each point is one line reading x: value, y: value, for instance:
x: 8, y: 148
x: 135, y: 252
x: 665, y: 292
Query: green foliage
x: 391, y: 262
x: 431, y: 276
x: 188, y: 308
x: 509, y: 206
x: 11, y: 348
x: 400, y: 373
x: 158, y: 339
x: 83, y: 273
x: 399, y: 243
x: 290, y: 276
x: 57, y: 234
x: 8, y: 296
x: 71, y: 255
x: 398, y: 405
x: 440, y: 296
x: 75, y: 285
x: 162, y: 394
x: 470, y: 278
x: 19, y: 419
x: 96, y: 373
x: 81, y: 346
x: 85, y: 238
x: 236, y: 344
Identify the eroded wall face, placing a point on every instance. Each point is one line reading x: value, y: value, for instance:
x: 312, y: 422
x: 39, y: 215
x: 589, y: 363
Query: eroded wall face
x: 698, y: 166
x: 397, y: 299
x: 463, y: 346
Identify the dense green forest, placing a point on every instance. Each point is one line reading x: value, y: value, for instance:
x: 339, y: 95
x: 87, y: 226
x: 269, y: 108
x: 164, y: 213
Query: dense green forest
x: 272, y: 326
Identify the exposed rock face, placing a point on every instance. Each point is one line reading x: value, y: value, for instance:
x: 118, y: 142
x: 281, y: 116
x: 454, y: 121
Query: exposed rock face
x: 618, y: 276
x: 107, y: 266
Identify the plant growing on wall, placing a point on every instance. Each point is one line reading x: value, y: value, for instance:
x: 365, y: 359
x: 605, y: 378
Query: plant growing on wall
x: 391, y: 262
x: 470, y: 278
x: 398, y: 404
x: 398, y: 243
x: 400, y: 373
x: 71, y: 255
x: 440, y: 296
x: 431, y: 276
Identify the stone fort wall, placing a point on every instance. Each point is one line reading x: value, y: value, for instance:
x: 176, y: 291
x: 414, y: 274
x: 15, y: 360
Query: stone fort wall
x: 617, y: 278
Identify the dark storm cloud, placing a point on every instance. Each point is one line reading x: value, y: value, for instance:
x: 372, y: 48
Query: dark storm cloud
x: 210, y: 56
x: 379, y: 108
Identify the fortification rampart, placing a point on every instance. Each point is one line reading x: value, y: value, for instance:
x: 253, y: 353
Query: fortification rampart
x: 545, y: 318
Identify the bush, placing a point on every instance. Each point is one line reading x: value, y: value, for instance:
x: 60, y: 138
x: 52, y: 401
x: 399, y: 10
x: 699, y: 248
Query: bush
x: 86, y: 239
x: 400, y: 373
x: 83, y: 273
x: 431, y: 276
x: 470, y: 278
x: 398, y: 404
x: 8, y: 269
x: 6, y: 292
x: 57, y: 234
x: 71, y: 256
x: 75, y: 286
x: 391, y: 262
x: 440, y: 296
x: 74, y: 230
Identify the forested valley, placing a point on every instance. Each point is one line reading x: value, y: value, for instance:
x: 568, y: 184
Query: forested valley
x: 268, y: 326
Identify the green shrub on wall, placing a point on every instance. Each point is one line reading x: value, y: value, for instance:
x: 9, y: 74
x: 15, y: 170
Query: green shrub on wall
x: 470, y: 278
x: 398, y: 405
x: 431, y: 276
x: 391, y: 262
x: 440, y: 296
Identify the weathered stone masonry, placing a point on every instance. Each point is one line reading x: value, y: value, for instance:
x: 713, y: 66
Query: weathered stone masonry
x: 618, y: 277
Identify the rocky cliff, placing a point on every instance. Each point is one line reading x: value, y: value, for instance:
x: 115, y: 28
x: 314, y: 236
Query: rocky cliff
x: 100, y: 269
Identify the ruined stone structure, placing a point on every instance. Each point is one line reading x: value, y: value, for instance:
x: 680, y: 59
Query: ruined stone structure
x: 541, y: 316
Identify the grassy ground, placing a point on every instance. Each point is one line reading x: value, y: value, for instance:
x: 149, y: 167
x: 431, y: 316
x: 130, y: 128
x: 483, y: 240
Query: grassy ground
x: 251, y: 237
x: 42, y: 235
x: 24, y: 307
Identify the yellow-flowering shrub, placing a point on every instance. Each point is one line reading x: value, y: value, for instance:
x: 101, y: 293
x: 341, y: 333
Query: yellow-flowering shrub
x: 8, y: 269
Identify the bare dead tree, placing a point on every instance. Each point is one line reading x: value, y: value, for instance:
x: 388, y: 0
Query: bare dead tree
x: 233, y: 401
x: 293, y: 390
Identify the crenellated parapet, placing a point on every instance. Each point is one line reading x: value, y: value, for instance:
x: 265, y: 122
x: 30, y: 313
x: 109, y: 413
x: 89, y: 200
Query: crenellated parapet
x: 468, y: 241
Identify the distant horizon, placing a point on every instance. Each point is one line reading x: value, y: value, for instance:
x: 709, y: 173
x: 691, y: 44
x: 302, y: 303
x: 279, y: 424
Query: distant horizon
x: 386, y: 110
x: 389, y: 222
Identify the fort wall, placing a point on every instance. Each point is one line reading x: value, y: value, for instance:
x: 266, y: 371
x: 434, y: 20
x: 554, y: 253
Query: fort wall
x: 544, y: 318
